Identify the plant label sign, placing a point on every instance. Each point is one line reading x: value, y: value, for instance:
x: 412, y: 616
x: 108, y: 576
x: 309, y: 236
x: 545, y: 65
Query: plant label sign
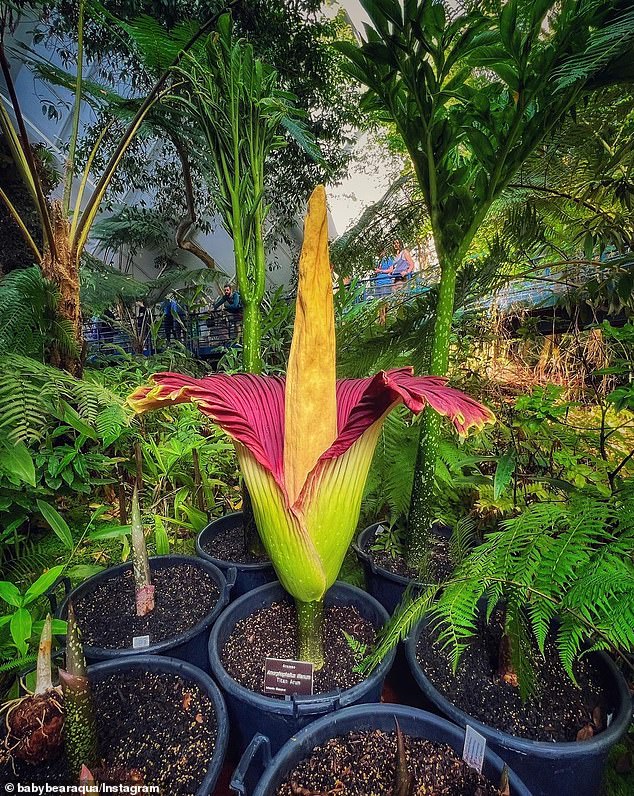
x: 474, y: 748
x: 140, y: 641
x: 285, y: 677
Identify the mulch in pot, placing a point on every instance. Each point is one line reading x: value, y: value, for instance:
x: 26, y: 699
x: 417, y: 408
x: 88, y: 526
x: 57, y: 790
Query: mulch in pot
x: 153, y: 724
x: 229, y: 545
x: 184, y: 595
x: 441, y: 566
x: 271, y: 632
x: 557, y: 709
x: 363, y: 763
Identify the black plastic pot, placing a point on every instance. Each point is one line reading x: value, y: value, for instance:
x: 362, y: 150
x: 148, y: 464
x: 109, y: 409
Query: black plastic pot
x: 190, y: 646
x: 271, y: 773
x: 153, y: 663
x: 278, y: 719
x: 567, y: 769
x: 384, y: 586
x: 248, y: 576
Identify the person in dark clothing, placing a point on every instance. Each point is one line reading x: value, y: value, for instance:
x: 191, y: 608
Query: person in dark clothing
x: 232, y: 303
x: 173, y: 322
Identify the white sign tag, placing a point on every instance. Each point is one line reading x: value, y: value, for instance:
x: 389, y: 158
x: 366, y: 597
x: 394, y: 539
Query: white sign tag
x: 140, y: 641
x: 474, y: 747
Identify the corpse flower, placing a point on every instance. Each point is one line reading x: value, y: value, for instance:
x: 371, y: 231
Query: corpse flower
x: 305, y: 443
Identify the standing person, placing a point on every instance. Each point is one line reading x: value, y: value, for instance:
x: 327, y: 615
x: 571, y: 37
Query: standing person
x: 173, y: 322
x: 232, y: 302
x: 403, y: 265
x: 383, y: 274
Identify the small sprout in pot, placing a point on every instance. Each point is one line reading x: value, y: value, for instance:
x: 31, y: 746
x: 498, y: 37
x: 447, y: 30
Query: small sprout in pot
x: 35, y: 723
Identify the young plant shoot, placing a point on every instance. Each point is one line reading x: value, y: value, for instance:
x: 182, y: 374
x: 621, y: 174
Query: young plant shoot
x: 305, y: 444
x: 144, y: 589
x: 35, y: 723
x: 80, y: 730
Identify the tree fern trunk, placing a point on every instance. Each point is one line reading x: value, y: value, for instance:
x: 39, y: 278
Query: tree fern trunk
x: 63, y: 271
x: 421, y: 511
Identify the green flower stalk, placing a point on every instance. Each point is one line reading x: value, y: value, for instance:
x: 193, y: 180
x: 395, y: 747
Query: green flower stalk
x: 305, y: 444
x: 80, y: 729
x: 144, y: 589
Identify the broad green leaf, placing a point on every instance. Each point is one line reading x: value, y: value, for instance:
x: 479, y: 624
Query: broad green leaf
x: 20, y: 627
x: 109, y: 532
x: 161, y: 540
x: 508, y: 23
x: 74, y: 419
x: 84, y: 571
x: 16, y: 460
x: 57, y: 523
x: 58, y: 627
x: 503, y: 473
x: 42, y: 584
x: 10, y: 593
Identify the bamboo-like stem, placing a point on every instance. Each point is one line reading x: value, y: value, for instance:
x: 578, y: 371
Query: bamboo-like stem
x: 310, y: 626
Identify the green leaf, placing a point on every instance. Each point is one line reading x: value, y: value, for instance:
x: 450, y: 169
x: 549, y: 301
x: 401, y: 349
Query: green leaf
x: 109, y: 532
x: 10, y: 593
x: 72, y: 417
x: 20, y: 627
x: 42, y: 584
x: 58, y: 626
x: 161, y: 540
x: 16, y: 460
x: 503, y: 473
x: 508, y: 23
x: 84, y: 571
x: 57, y: 523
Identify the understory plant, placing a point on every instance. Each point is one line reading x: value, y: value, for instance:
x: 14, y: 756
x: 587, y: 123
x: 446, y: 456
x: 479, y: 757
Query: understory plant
x: 561, y: 570
x: 305, y: 443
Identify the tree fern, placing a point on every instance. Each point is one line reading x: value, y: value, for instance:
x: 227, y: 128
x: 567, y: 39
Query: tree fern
x: 570, y: 560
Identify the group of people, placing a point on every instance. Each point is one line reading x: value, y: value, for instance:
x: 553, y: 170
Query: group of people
x: 393, y: 270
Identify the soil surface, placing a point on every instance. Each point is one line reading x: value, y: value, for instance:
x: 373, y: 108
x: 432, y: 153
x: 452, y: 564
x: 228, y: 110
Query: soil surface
x: 155, y: 723
x: 184, y: 594
x: 363, y: 763
x: 557, y: 709
x: 272, y: 633
x: 440, y: 563
x: 228, y: 545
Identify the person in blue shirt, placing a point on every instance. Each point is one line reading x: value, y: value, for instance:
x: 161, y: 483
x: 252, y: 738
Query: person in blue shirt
x: 232, y: 303
x: 383, y: 274
x: 173, y: 322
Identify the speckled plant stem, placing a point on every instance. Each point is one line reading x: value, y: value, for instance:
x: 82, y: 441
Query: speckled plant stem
x: 80, y: 728
x: 310, y: 623
x: 421, y: 512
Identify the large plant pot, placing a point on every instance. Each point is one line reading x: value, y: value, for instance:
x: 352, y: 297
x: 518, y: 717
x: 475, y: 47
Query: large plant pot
x: 185, y: 670
x: 276, y: 718
x: 248, y: 576
x: 256, y: 765
x: 566, y: 769
x: 191, y: 645
x: 383, y: 585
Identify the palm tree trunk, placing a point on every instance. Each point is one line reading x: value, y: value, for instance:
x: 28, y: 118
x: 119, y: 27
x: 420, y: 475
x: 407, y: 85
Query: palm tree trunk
x: 62, y: 269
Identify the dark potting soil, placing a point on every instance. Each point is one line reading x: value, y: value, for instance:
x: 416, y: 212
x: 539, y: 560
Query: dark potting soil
x: 440, y: 564
x: 557, y: 709
x: 363, y: 763
x: 228, y: 545
x: 184, y: 594
x: 271, y: 632
x: 155, y: 723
